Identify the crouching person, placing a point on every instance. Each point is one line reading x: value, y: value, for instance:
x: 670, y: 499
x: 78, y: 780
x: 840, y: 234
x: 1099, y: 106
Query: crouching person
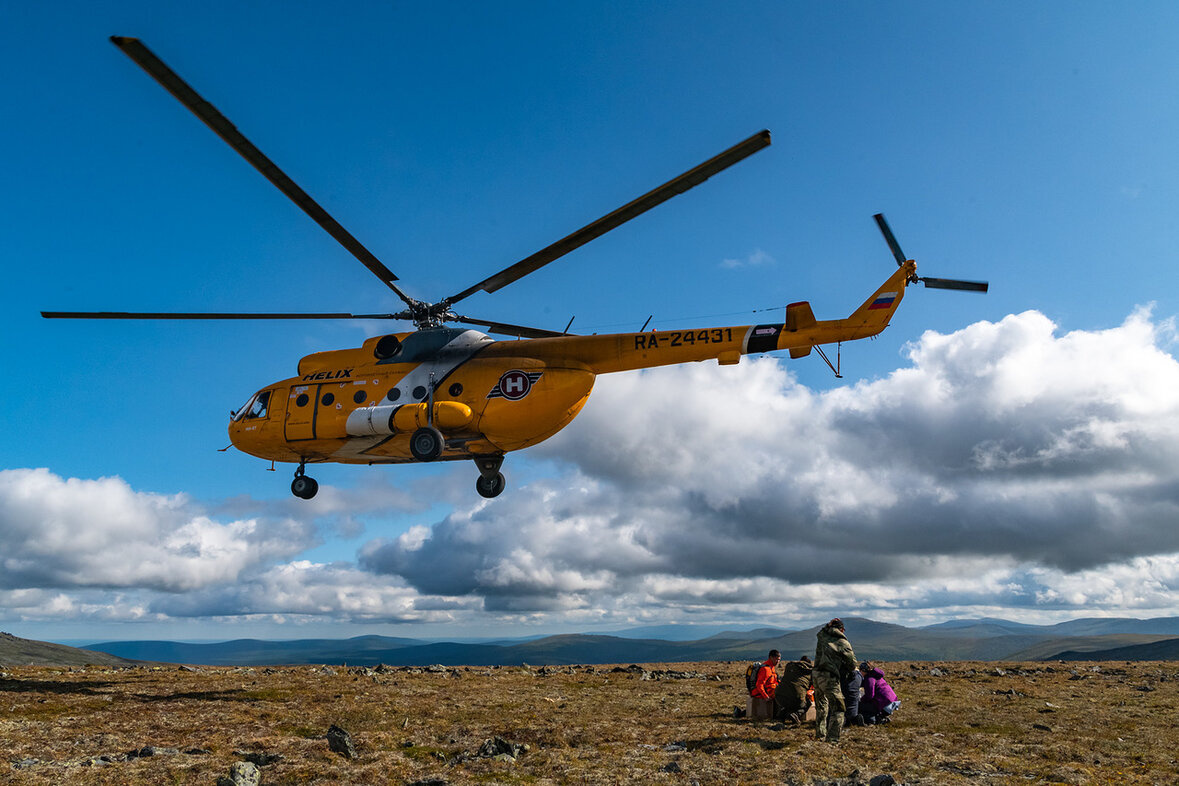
x: 791, y: 701
x: 880, y: 700
x: 851, y: 699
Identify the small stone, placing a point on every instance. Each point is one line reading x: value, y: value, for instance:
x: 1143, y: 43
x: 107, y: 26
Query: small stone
x: 242, y: 773
x: 672, y: 766
x: 882, y: 780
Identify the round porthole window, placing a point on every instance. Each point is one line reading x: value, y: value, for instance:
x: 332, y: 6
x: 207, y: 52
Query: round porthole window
x: 360, y: 397
x: 456, y: 389
x: 419, y: 392
x: 302, y: 400
x: 327, y: 399
x: 393, y: 394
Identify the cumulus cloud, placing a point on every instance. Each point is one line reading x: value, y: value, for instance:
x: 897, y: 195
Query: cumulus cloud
x: 1007, y: 469
x: 1005, y: 452
x: 63, y: 533
x: 339, y: 592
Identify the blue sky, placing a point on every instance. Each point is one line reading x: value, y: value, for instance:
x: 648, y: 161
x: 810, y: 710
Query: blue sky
x: 1007, y: 455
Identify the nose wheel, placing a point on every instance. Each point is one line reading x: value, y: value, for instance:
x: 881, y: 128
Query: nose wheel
x: 491, y: 482
x: 303, y: 486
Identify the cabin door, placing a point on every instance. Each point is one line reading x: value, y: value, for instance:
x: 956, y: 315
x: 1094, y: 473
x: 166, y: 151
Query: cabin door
x: 302, y: 408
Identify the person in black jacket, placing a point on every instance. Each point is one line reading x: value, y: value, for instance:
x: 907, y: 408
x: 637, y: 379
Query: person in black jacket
x: 851, y: 699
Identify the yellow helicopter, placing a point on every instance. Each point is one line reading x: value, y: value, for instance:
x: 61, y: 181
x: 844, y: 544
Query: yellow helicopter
x: 441, y: 393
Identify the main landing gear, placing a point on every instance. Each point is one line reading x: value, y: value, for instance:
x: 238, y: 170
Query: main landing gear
x: 491, y: 481
x: 303, y: 486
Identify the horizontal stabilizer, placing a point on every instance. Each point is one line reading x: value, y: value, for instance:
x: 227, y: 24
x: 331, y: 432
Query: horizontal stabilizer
x: 800, y: 352
x: 799, y: 317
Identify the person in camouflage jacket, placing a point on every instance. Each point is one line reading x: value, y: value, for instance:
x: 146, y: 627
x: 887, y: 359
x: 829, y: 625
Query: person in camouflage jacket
x: 834, y: 661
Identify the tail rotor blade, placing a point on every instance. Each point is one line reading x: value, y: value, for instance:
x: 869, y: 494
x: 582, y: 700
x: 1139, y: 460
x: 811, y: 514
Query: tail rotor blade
x: 953, y: 283
x: 891, y: 240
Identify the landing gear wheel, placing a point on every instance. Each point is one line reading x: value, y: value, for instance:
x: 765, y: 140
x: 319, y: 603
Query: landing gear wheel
x: 490, y: 487
x: 426, y: 444
x: 304, y: 487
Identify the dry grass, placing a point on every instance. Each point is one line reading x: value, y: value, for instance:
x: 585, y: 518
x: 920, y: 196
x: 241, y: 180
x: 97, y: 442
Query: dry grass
x: 979, y: 723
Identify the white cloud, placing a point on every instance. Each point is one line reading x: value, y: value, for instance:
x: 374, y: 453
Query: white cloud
x: 1002, y: 444
x: 304, y: 588
x: 756, y: 258
x: 1005, y: 471
x: 57, y: 532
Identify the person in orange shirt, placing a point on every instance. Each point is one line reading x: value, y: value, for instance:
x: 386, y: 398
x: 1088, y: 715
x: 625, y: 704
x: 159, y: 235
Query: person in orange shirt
x: 767, y: 684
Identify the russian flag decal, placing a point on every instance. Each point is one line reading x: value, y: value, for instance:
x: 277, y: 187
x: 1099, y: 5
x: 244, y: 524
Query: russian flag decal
x: 883, y: 300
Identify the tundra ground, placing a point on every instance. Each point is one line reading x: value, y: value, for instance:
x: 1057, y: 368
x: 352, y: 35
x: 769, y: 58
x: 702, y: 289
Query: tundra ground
x: 978, y: 723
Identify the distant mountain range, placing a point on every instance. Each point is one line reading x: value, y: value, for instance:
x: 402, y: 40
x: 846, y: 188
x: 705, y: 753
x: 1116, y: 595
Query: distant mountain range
x: 985, y: 639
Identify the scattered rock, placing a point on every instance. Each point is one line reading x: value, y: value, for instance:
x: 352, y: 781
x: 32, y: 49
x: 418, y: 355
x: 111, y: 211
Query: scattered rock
x: 242, y: 773
x: 501, y: 749
x: 672, y: 766
x: 340, y: 741
x: 934, y: 672
x: 882, y: 780
x: 429, y: 782
x: 1041, y: 727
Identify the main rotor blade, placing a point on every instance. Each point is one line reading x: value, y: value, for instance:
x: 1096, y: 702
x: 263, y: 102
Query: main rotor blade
x: 891, y: 240
x: 155, y: 67
x: 693, y: 177
x: 203, y: 315
x: 953, y: 283
x: 508, y: 329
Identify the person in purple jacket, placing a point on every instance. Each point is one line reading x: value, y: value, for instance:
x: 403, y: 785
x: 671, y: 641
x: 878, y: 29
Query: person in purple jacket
x: 879, y: 700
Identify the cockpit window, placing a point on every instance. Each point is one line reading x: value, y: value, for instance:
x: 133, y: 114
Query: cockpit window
x: 259, y: 405
x: 256, y: 408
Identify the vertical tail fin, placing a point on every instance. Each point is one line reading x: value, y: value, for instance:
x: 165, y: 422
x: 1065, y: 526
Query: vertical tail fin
x: 876, y: 312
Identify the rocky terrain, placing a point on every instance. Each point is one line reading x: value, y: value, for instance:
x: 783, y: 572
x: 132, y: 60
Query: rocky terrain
x: 961, y: 723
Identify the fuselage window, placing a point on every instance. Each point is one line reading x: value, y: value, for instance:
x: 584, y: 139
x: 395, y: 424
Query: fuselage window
x: 327, y: 399
x: 302, y: 400
x: 393, y: 394
x: 360, y: 397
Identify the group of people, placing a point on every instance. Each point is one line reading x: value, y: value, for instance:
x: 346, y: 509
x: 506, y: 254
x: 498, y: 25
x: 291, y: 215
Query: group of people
x: 845, y: 693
